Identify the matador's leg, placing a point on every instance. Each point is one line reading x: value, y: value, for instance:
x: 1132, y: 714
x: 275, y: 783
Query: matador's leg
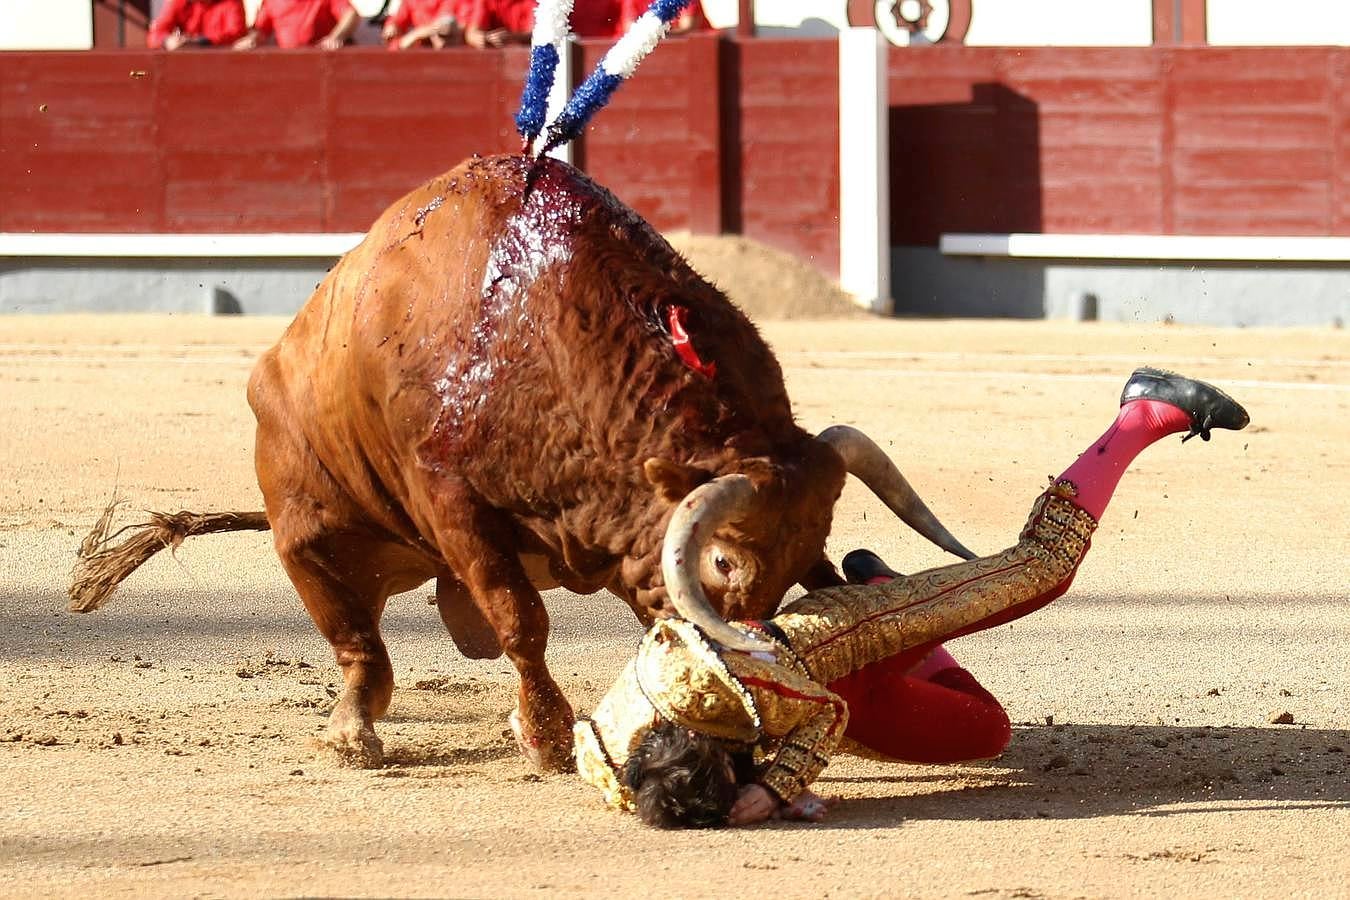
x: 839, y: 632
x: 934, y: 711
x: 1153, y: 405
x: 946, y: 718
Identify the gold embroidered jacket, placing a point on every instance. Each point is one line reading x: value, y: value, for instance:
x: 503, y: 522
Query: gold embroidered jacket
x: 762, y: 700
x: 777, y: 701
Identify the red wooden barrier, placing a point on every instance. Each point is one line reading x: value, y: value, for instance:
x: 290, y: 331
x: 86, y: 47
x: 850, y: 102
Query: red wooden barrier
x: 789, y: 147
x: 1175, y: 141
x: 713, y: 134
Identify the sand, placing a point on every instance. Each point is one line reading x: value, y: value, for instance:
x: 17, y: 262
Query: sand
x: 160, y: 747
x: 768, y: 284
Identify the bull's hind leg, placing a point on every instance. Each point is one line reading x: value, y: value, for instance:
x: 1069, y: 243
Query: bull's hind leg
x: 335, y: 574
x: 472, y: 537
x: 337, y: 567
x: 347, y: 612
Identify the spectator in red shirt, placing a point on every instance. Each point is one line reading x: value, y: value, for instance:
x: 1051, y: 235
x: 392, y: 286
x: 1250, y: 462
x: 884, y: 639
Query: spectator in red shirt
x: 691, y: 18
x: 197, y: 23
x: 434, y: 23
x: 598, y: 18
x: 496, y: 23
x: 303, y: 23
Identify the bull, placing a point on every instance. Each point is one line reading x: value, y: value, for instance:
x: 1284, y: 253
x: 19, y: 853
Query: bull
x: 513, y: 384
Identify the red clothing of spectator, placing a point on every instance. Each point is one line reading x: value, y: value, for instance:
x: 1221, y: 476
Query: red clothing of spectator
x: 691, y: 18
x: 412, y: 13
x: 300, y: 23
x: 216, y: 22
x: 590, y: 18
x: 597, y: 18
x: 516, y: 16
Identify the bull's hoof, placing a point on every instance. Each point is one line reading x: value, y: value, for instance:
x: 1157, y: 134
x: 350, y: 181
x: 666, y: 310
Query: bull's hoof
x: 543, y: 754
x: 362, y: 749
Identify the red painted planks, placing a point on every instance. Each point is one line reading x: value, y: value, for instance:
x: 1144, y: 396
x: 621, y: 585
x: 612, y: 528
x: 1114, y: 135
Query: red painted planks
x: 1250, y: 141
x: 1229, y: 141
x: 396, y: 120
x: 1339, y: 74
x: 242, y: 144
x: 789, y: 147
x: 638, y: 146
x: 1186, y: 140
x: 706, y: 123
x: 78, y: 142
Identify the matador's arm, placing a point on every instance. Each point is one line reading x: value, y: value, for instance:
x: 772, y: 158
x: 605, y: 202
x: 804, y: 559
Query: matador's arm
x: 745, y: 698
x: 802, y: 718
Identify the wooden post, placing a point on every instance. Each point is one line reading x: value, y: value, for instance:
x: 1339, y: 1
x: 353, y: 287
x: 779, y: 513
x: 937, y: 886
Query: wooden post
x: 705, y: 132
x: 1180, y: 22
x: 563, y: 82
x: 745, y: 21
x: 1195, y: 22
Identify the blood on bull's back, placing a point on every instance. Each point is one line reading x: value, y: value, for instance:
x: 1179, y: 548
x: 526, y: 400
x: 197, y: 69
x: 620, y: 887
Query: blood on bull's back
x: 521, y: 340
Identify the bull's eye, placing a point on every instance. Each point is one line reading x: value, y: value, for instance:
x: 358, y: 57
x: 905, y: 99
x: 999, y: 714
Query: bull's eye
x: 722, y: 563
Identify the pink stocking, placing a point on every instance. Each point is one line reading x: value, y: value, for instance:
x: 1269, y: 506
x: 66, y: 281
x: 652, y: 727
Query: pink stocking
x: 1098, y: 470
x: 1095, y: 474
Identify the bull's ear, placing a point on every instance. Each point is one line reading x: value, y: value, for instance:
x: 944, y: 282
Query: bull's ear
x: 673, y: 481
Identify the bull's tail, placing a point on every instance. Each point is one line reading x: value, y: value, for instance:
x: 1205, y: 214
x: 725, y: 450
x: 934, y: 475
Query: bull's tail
x: 102, y: 565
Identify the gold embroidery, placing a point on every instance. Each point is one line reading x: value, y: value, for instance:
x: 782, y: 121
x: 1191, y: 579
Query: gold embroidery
x: 836, y: 631
x: 686, y: 678
x: 781, y: 704
x: 595, y: 767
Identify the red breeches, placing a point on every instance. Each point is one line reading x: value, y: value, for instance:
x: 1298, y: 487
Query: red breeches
x: 947, y: 717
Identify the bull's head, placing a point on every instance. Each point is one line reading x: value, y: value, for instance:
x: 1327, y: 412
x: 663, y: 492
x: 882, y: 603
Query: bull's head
x: 735, y: 544
x: 748, y: 496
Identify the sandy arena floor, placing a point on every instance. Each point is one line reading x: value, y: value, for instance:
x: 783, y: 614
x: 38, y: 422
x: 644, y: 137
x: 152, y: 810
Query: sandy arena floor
x: 159, y: 747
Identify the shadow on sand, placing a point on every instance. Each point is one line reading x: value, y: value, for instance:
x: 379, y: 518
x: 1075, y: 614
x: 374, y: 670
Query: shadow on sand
x: 1085, y: 771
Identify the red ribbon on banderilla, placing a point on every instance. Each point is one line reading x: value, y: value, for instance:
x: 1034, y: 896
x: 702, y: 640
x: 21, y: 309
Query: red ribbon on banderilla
x: 679, y: 336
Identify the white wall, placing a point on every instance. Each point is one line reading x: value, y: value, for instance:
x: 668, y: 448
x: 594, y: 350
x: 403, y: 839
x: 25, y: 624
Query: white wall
x: 1076, y: 23
x: 46, y: 24
x: 1033, y: 23
x: 994, y: 22
x: 1287, y: 22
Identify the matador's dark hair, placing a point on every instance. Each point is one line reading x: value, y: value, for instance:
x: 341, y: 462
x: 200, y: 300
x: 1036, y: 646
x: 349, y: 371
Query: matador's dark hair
x: 680, y: 779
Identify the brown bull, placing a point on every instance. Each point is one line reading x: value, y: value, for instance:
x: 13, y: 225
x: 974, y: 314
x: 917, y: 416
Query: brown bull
x: 511, y: 387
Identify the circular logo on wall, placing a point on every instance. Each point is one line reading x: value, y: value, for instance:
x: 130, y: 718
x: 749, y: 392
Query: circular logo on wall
x: 914, y: 22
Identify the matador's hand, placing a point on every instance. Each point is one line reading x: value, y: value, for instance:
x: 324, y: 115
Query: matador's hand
x: 808, y: 807
x: 755, y: 803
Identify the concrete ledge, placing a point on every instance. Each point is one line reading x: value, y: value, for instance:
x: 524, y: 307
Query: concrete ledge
x: 1064, y: 284
x: 177, y: 246
x: 1214, y: 248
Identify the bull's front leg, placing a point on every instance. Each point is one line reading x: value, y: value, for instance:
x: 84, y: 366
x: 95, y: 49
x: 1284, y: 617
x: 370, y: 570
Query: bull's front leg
x: 477, y: 543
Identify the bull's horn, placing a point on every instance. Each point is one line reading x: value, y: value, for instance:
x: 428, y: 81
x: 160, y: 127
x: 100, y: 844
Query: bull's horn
x: 870, y: 465
x: 699, y: 515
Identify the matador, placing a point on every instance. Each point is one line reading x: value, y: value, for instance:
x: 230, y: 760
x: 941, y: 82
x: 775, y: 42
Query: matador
x: 695, y: 733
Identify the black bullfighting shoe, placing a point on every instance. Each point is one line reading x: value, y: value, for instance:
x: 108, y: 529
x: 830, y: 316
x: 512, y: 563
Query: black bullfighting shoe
x: 1207, y: 406
x: 865, y: 567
